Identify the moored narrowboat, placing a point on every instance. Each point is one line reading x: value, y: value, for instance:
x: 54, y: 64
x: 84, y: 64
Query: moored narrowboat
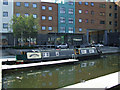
x: 56, y: 54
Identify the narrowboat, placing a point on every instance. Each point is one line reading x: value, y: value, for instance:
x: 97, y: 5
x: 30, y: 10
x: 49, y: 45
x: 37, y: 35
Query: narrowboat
x: 56, y: 54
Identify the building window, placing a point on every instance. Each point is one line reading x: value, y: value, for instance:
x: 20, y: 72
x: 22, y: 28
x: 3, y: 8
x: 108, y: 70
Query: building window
x: 92, y: 21
x: 110, y: 6
x: 86, y: 3
x: 92, y: 4
x: 110, y: 22
x: 70, y: 20
x: 34, y: 15
x: 17, y: 14
x: 50, y: 8
x: 80, y: 3
x: 102, y: 5
x: 26, y: 4
x: 70, y: 11
x: 86, y: 20
x: 26, y: 14
x: 70, y: 30
x: 62, y: 9
x: 70, y: 3
x: 116, y: 30
x: 62, y: 19
x: 80, y: 11
x: 115, y: 7
x: 102, y: 14
x: 34, y: 27
x: 5, y: 25
x: 18, y: 4
x: 49, y: 28
x: 5, y: 14
x: 92, y: 12
x: 5, y: 2
x: 80, y: 20
x: 43, y: 17
x: 86, y: 11
x: 115, y: 23
x: 80, y: 29
x: 115, y: 16
x: 102, y: 22
x: 110, y: 30
x: 43, y: 28
x: 43, y: 7
x: 50, y: 18
x: 62, y: 29
x: 34, y: 5
x: 110, y: 14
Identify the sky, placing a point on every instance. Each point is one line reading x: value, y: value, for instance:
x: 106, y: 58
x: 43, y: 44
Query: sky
x: 48, y: 0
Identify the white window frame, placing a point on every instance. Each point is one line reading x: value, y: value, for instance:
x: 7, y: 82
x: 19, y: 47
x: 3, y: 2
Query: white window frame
x: 26, y: 4
x: 50, y: 8
x: 34, y: 15
x: 70, y: 11
x: 71, y: 30
x: 70, y: 3
x: 49, y: 28
x: 26, y: 14
x: 62, y: 9
x: 62, y: 19
x: 86, y: 3
x: 17, y: 14
x: 18, y: 3
x: 50, y: 18
x: 80, y: 11
x: 80, y: 20
x: 92, y: 3
x: 80, y: 29
x: 5, y: 2
x: 43, y: 17
x: 43, y: 27
x: 43, y: 7
x: 62, y: 29
x: 70, y: 20
x: 4, y: 25
x: 34, y: 5
x: 5, y: 14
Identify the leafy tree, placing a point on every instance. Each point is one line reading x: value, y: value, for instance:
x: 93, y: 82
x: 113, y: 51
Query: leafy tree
x: 25, y: 27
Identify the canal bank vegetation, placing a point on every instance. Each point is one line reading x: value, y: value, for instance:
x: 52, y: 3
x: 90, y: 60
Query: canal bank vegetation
x: 25, y: 29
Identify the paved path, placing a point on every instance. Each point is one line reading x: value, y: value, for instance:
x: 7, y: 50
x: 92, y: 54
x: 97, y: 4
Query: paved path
x: 106, y: 81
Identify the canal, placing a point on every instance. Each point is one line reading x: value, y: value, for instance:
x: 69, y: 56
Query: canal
x: 61, y: 75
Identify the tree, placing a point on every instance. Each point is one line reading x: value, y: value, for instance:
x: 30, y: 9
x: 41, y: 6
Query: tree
x: 25, y: 28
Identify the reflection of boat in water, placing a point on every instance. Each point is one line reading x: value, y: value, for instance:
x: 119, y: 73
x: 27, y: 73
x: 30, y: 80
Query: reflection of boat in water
x: 59, y: 76
x: 56, y: 54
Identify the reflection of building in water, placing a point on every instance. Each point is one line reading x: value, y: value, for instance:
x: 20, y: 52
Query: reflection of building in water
x: 62, y: 75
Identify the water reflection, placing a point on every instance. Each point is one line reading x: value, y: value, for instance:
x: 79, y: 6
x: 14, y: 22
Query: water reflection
x: 57, y: 76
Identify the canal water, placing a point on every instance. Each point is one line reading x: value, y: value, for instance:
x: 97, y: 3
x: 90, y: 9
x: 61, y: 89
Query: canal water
x: 61, y: 75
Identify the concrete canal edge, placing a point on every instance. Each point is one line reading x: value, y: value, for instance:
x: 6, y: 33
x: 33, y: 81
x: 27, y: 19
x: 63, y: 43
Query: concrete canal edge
x: 103, y: 82
x: 0, y: 74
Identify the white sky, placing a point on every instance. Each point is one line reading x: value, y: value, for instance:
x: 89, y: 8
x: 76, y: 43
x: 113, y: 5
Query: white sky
x: 48, y: 0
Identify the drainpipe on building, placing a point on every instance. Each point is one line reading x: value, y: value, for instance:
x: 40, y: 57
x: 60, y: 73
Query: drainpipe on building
x: 87, y: 36
x: 106, y: 38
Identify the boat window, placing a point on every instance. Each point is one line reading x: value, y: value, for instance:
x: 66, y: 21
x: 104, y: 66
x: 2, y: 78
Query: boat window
x: 84, y: 51
x: 57, y: 53
x: 46, y: 54
x: 91, y: 51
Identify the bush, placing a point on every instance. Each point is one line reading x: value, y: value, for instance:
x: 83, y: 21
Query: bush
x: 24, y: 47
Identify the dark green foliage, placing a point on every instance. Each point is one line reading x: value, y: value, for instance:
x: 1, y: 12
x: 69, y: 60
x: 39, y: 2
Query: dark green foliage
x: 25, y: 27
